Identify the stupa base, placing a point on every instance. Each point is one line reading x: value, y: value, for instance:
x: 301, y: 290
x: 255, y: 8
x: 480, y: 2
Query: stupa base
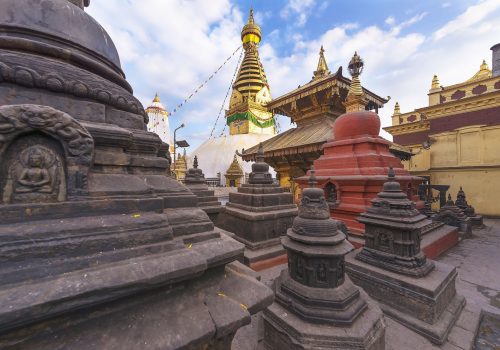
x: 283, y: 330
x: 428, y: 305
x: 261, y: 255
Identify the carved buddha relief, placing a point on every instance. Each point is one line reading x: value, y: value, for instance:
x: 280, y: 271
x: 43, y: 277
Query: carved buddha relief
x: 384, y: 241
x: 34, y: 172
x: 321, y: 273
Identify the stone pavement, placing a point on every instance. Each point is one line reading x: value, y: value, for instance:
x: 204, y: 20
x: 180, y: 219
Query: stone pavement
x: 477, y: 260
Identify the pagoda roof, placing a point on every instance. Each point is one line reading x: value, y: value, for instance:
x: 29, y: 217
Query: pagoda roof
x: 320, y: 84
x: 305, y: 139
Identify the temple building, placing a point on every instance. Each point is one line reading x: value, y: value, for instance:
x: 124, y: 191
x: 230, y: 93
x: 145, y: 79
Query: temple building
x: 314, y: 107
x: 158, y: 122
x: 250, y: 121
x: 455, y: 139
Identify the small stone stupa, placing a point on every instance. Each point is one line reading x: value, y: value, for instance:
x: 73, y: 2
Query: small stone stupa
x: 461, y: 202
x: 259, y: 214
x: 452, y: 215
x: 195, y: 181
x: 317, y: 306
x: 413, y: 290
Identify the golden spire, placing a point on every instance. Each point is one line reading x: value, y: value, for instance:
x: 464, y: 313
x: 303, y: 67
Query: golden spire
x: 397, y: 110
x: 356, y: 100
x: 251, y: 76
x: 435, y: 82
x: 483, y: 73
x: 157, y: 98
x: 322, y: 69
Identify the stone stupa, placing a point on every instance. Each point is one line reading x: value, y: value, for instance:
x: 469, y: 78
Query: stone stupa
x: 195, y: 181
x: 317, y: 306
x: 258, y: 215
x: 392, y: 268
x: 100, y: 249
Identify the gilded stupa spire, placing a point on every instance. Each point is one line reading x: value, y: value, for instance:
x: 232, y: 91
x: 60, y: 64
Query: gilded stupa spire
x: 247, y: 112
x: 251, y: 76
x: 356, y: 99
x: 322, y: 69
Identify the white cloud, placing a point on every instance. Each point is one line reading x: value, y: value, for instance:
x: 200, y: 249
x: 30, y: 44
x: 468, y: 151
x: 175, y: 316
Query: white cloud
x: 471, y: 16
x: 390, y: 20
x: 300, y: 10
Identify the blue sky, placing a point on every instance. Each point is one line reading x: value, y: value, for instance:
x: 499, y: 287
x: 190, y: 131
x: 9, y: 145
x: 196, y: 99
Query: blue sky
x: 171, y: 46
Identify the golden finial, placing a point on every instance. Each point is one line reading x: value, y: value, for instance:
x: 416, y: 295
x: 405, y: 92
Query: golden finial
x: 435, y: 82
x: 397, y: 110
x: 250, y: 17
x: 356, y: 100
x: 157, y: 98
x: 251, y: 31
x: 322, y: 69
x: 483, y: 73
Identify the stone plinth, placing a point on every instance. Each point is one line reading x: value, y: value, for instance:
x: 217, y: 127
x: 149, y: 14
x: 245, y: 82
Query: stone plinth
x: 195, y: 181
x: 452, y: 215
x: 100, y: 248
x: 461, y: 202
x: 317, y: 306
x: 392, y: 268
x: 258, y: 215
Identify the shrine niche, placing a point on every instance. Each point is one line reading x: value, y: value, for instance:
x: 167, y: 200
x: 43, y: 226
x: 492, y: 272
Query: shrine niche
x: 34, y: 171
x: 331, y: 193
x: 53, y: 153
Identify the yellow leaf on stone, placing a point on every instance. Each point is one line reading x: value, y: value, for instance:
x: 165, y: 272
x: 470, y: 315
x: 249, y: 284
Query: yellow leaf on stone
x: 136, y: 215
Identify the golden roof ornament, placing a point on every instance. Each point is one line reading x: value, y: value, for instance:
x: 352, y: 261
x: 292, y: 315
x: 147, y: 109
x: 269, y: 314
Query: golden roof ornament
x: 157, y: 98
x: 356, y: 100
x: 435, y: 82
x: 397, y: 109
x: 483, y: 73
x: 322, y: 69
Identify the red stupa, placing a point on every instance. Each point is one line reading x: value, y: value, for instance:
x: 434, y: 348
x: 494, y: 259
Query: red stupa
x: 355, y: 162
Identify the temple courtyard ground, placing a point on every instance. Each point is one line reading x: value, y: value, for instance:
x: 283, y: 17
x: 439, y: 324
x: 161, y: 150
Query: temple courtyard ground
x: 477, y: 260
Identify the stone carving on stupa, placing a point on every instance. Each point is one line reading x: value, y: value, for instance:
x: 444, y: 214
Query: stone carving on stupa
x: 452, y: 215
x: 258, y: 215
x: 195, y: 181
x: 418, y: 292
x: 100, y: 248
x: 317, y: 306
x: 461, y: 202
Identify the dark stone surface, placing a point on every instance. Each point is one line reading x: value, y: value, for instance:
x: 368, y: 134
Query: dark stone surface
x: 391, y: 268
x: 313, y: 293
x: 461, y: 202
x: 259, y: 214
x: 100, y: 248
x: 195, y: 181
x: 393, y: 231
x: 452, y: 215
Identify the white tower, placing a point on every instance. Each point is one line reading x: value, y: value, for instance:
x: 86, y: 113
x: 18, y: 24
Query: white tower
x: 158, y: 122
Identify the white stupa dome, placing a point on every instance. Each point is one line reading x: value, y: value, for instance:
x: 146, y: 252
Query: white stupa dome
x: 216, y: 155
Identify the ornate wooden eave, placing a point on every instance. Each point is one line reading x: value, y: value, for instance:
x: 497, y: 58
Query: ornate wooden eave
x: 329, y: 91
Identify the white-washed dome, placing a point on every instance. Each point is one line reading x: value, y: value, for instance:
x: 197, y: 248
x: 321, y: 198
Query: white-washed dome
x: 216, y: 155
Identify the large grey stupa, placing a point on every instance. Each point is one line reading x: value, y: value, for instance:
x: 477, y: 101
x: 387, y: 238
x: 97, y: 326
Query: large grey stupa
x: 99, y: 248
